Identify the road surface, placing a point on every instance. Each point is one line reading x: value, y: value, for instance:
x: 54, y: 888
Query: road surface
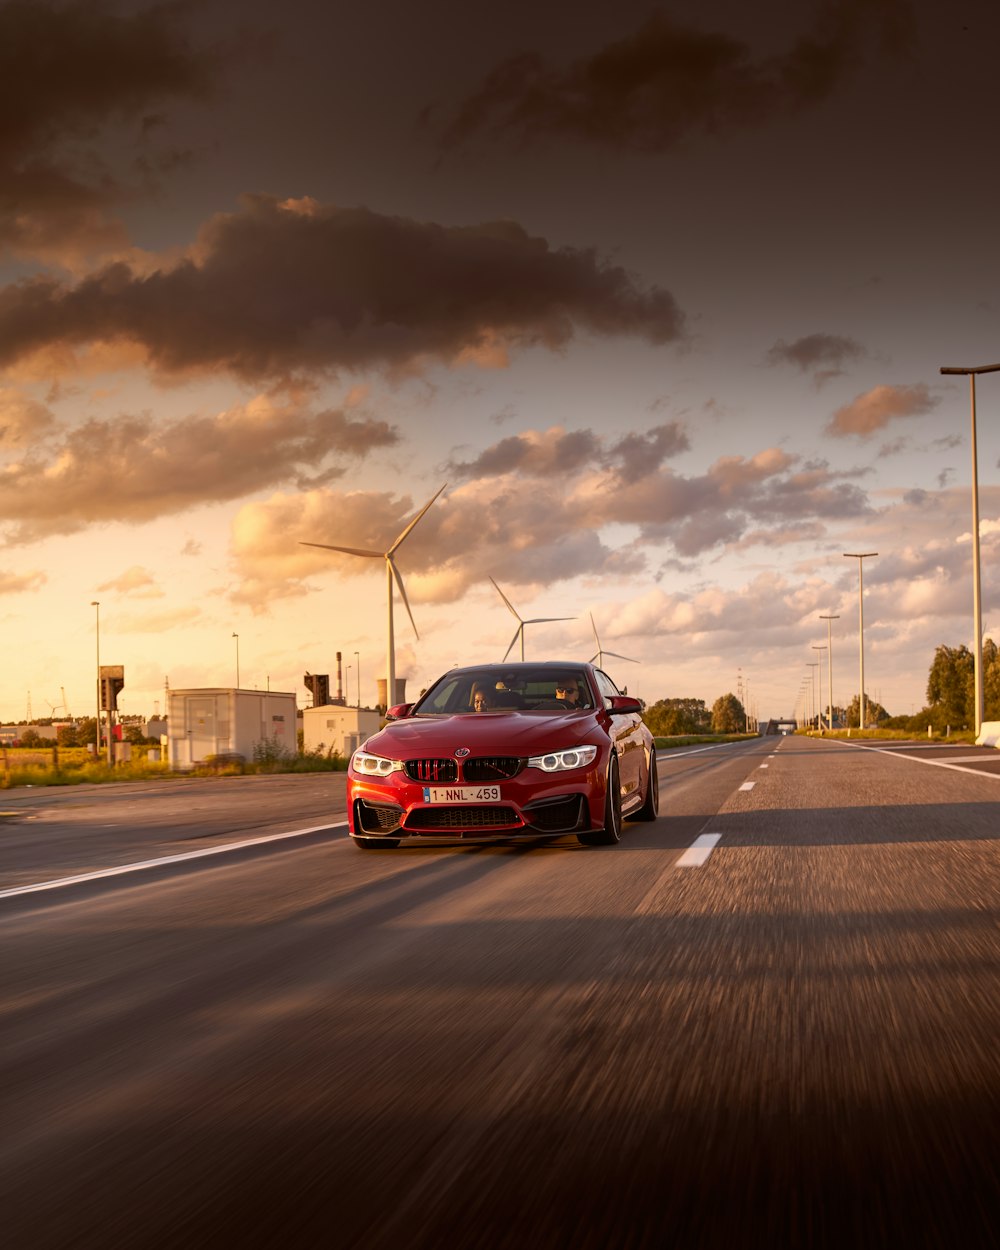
x: 772, y: 1017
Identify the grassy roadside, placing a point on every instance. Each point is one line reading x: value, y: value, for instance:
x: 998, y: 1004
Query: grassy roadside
x: 967, y: 736
x: 687, y: 740
x: 73, y: 767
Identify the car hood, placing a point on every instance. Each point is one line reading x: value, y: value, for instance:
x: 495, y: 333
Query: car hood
x: 484, y: 733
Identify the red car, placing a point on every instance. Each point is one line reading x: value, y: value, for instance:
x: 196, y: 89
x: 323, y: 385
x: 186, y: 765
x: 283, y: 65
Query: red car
x: 506, y: 751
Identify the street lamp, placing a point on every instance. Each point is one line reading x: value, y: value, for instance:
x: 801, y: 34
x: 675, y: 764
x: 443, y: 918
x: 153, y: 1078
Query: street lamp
x: 96, y: 603
x: 977, y: 610
x: 357, y: 673
x: 829, y: 662
x: 237, y: 637
x: 814, y: 665
x: 861, y: 557
x: 819, y: 716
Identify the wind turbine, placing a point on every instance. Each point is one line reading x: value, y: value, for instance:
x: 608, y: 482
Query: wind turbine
x: 521, y: 623
x: 599, y: 657
x: 391, y: 573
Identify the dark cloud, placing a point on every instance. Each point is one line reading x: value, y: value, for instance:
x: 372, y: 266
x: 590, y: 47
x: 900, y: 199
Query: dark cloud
x: 135, y: 468
x: 822, y: 355
x: 651, y: 89
x: 65, y: 71
x: 290, y: 286
x: 556, y: 451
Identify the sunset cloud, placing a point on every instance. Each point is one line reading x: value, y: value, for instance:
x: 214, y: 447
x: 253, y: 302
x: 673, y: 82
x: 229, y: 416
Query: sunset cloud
x: 874, y: 409
x: 20, y: 583
x: 652, y: 89
x: 68, y: 70
x: 283, y: 287
x: 136, y: 468
x: 136, y: 581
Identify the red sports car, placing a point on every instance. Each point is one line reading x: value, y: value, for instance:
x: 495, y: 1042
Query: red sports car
x: 506, y: 751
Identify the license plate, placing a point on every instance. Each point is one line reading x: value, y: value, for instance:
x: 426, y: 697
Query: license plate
x: 461, y: 794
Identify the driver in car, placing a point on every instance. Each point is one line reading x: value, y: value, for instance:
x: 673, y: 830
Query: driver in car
x: 568, y: 691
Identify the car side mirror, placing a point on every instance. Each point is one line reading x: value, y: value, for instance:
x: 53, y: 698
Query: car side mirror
x: 621, y: 705
x: 399, y: 712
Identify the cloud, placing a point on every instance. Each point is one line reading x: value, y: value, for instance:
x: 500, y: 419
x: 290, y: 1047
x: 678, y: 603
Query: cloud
x: 135, y: 581
x: 68, y: 69
x: 653, y: 88
x: 135, y: 468
x: 874, y: 409
x: 555, y: 452
x: 287, y: 286
x: 20, y: 583
x: 822, y: 355
x: 23, y: 421
x: 511, y: 524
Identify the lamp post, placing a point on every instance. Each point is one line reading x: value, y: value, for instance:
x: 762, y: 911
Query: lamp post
x: 829, y: 663
x: 237, y: 637
x: 96, y: 603
x: 977, y: 607
x: 814, y: 665
x: 861, y: 557
x: 819, y: 715
x: 357, y: 673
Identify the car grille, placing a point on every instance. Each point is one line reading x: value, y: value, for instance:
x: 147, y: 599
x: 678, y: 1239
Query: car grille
x: 563, y: 816
x: 377, y: 819
x: 443, y: 771
x: 467, y: 816
x: 491, y: 768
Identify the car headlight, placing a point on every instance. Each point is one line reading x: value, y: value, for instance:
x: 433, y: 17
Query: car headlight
x: 374, y: 765
x: 562, y: 761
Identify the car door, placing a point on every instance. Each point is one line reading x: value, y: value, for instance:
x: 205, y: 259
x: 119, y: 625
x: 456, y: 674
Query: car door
x: 626, y: 734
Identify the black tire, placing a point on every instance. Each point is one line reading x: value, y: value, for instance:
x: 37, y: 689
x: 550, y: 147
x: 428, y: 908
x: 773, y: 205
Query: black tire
x: 377, y: 844
x: 612, y: 830
x: 651, y: 804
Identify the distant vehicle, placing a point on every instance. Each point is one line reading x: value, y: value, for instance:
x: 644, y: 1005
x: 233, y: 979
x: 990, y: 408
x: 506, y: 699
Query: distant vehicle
x: 529, y: 765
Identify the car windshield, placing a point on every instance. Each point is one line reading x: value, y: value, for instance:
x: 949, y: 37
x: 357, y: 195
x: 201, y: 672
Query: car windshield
x: 503, y: 689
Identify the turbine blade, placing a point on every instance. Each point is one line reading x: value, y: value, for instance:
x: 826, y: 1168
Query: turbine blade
x: 538, y: 620
x: 402, y: 593
x: 596, y: 639
x: 622, y: 657
x: 351, y: 551
x: 413, y: 522
x: 510, y: 606
x: 517, y: 634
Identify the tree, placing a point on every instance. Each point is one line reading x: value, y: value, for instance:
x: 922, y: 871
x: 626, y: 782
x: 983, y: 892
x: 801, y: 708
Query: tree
x: 674, y: 717
x: 951, y: 686
x: 728, y: 715
x: 30, y: 738
x: 875, y: 713
x: 66, y: 736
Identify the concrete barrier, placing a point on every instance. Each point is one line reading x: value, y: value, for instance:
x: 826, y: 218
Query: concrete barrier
x: 989, y: 735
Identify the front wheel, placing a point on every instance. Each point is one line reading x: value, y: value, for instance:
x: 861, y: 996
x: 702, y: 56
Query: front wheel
x: 612, y: 831
x: 377, y: 844
x: 651, y: 803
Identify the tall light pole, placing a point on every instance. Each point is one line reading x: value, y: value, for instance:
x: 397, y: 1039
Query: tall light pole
x: 820, y: 715
x: 829, y: 662
x: 861, y: 557
x: 96, y: 603
x: 977, y: 606
x: 814, y: 665
x: 357, y: 670
x: 237, y: 637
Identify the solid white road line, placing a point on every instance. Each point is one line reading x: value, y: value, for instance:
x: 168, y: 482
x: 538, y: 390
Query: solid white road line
x: 663, y: 753
x: 698, y: 852
x: 915, y: 759
x: 140, y: 866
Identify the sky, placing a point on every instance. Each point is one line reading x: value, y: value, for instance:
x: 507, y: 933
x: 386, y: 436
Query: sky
x: 658, y: 293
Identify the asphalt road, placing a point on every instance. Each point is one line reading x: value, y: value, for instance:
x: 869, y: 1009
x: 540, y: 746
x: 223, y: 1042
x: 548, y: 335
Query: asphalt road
x: 794, y: 1041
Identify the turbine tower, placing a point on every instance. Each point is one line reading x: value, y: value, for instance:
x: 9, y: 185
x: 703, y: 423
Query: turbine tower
x: 599, y: 657
x: 391, y: 574
x: 538, y: 620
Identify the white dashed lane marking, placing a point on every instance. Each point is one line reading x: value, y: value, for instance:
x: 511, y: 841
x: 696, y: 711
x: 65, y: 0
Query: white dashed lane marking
x: 748, y: 785
x: 698, y: 852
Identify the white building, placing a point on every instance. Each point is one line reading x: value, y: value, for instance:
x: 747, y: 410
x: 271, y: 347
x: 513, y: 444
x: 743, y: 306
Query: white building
x: 341, y: 729
x: 224, y: 721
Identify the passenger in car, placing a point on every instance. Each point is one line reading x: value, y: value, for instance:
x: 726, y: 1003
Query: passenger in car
x: 481, y: 701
